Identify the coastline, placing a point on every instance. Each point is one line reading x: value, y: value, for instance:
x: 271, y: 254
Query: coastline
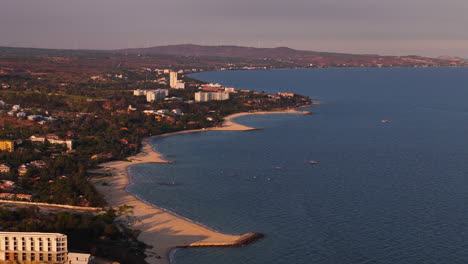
x: 161, y: 228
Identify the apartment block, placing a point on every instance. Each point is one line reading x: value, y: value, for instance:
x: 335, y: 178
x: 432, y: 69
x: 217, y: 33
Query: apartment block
x: 25, y: 247
x: 211, y: 96
x: 7, y: 145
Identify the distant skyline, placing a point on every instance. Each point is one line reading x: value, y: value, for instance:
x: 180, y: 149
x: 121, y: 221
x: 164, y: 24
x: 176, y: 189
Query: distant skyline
x: 398, y: 27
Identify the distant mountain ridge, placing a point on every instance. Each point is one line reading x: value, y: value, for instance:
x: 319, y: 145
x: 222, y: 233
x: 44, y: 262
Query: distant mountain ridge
x: 230, y: 51
x: 299, y: 58
x: 236, y: 57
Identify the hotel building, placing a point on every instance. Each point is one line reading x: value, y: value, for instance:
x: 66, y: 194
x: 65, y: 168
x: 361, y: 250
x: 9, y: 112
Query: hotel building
x: 209, y: 96
x: 25, y: 247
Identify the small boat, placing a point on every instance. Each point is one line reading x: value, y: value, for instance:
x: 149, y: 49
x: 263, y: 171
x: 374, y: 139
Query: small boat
x: 384, y: 121
x: 313, y: 162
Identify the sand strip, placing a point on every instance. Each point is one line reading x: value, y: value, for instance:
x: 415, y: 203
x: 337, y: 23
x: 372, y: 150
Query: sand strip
x: 160, y: 228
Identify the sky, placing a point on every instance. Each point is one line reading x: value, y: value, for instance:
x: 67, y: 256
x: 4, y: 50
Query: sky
x: 387, y: 27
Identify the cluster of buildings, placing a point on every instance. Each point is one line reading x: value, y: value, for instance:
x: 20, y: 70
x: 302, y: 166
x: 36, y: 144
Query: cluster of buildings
x: 19, y: 112
x: 15, y: 196
x: 152, y: 95
x: 24, y: 168
x: 163, y: 112
x: 108, y: 76
x: 286, y: 94
x: 7, y: 187
x: 174, y: 82
x: 213, y: 91
x: 52, y: 139
x: 216, y: 87
x: 47, y: 248
x: 165, y: 115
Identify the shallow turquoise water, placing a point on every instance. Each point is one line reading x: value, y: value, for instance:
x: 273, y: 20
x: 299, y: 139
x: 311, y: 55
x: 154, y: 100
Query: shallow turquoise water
x: 382, y: 193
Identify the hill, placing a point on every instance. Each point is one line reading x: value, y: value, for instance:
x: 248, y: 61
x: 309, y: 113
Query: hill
x: 231, y: 52
x: 300, y: 58
x: 229, y: 57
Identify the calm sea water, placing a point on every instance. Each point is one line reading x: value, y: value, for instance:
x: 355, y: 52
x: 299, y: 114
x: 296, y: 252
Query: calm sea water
x: 382, y: 193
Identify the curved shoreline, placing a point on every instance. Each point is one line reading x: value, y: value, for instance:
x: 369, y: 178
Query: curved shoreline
x: 161, y: 228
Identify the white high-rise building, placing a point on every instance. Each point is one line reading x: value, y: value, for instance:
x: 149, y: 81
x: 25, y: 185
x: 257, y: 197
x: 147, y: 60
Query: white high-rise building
x: 173, y: 79
x: 156, y: 95
x: 209, y: 96
x: 25, y: 247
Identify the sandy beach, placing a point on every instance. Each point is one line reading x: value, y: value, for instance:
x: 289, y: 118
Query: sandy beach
x: 160, y: 228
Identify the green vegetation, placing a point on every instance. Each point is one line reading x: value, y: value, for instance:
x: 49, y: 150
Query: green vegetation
x: 104, y: 235
x: 88, y: 98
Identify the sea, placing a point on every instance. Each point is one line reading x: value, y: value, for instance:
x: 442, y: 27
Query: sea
x: 386, y: 193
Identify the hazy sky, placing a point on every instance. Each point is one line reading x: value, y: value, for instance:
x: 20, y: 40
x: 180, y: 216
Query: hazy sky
x: 393, y: 27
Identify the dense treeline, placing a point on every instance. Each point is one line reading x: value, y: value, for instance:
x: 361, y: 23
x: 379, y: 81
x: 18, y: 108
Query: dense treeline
x: 62, y: 181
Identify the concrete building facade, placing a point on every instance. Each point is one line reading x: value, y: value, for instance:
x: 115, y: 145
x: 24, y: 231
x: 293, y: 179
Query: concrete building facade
x: 180, y: 85
x: 139, y: 92
x: 173, y: 79
x: 156, y: 95
x: 25, y: 247
x: 79, y: 258
x: 52, y: 139
x: 7, y: 145
x: 209, y: 96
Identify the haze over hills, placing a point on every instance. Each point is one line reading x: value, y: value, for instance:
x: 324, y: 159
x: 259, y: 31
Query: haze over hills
x: 300, y: 57
x: 231, y: 51
x: 236, y: 57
